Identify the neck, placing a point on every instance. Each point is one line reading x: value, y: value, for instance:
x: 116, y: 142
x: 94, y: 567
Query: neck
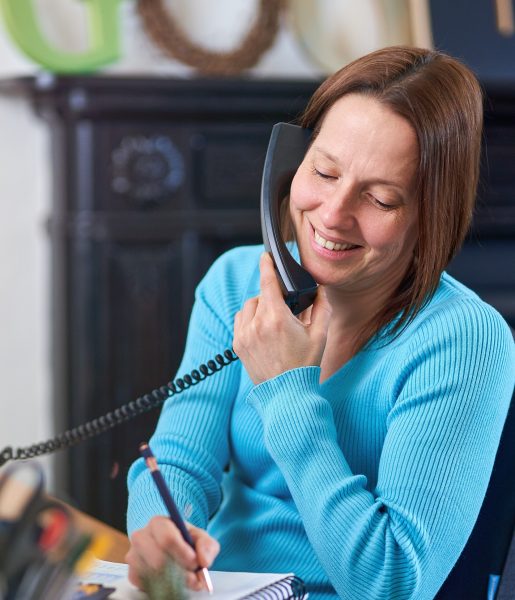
x: 355, y: 307
x: 345, y: 336
x: 353, y: 312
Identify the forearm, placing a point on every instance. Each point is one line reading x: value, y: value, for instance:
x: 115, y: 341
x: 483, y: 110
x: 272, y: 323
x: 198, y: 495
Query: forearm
x: 403, y: 536
x: 354, y: 534
x: 191, y: 441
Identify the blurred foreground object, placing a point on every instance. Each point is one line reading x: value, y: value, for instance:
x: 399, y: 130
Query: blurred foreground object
x: 44, y: 544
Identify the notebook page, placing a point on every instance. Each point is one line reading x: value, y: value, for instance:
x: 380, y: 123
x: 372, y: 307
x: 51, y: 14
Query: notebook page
x: 230, y: 586
x: 227, y: 586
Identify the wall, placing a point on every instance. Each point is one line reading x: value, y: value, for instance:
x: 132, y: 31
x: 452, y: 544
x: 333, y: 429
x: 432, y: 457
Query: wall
x: 25, y: 190
x: 24, y: 186
x: 334, y: 31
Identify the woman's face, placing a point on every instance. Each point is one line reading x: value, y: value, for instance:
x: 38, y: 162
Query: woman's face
x: 353, y: 201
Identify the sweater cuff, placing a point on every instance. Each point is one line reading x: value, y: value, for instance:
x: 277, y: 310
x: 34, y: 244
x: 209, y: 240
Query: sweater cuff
x: 295, y: 381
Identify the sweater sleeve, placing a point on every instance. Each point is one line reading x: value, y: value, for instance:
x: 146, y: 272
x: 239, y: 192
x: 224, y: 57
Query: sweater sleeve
x: 191, y: 438
x: 401, y: 539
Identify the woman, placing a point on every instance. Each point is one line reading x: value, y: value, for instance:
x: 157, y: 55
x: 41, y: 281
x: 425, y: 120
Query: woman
x: 352, y: 434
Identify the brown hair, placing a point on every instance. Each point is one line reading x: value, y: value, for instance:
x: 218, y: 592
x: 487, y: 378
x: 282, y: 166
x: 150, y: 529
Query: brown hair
x: 442, y: 100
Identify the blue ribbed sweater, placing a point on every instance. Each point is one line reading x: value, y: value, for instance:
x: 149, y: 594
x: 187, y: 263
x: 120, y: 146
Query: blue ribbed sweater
x: 367, y: 485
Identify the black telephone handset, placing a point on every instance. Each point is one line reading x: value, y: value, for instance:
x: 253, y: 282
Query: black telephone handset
x: 286, y: 150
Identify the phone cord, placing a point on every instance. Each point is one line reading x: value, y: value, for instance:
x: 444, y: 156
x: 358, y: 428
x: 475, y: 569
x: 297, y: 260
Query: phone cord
x: 123, y: 413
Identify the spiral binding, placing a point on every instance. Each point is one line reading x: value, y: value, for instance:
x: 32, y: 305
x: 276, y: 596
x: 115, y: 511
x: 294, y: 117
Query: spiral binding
x: 288, y: 588
x: 123, y: 413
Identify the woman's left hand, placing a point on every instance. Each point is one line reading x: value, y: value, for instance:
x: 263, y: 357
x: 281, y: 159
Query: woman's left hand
x: 269, y: 339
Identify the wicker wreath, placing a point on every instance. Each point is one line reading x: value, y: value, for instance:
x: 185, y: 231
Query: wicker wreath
x: 171, y: 38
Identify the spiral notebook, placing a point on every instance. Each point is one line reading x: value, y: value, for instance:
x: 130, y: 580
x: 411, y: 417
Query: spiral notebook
x: 227, y: 586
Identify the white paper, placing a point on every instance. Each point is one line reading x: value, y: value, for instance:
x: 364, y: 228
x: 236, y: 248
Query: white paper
x: 227, y: 586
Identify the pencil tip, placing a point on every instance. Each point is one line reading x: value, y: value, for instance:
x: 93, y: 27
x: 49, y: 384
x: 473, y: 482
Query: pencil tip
x: 207, y: 580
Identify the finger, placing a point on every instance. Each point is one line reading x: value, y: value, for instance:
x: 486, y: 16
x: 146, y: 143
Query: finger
x: 136, y: 566
x: 305, y: 316
x: 193, y: 580
x: 269, y: 283
x: 321, y: 311
x: 133, y: 576
x: 153, y: 559
x: 248, y: 311
x: 207, y: 548
x: 144, y: 552
x: 243, y: 318
x: 169, y: 540
x: 143, y: 557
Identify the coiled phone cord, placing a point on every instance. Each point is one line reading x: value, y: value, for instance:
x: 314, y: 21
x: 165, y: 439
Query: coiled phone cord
x: 123, y: 413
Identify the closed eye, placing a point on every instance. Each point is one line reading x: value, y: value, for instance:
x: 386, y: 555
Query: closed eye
x: 381, y: 205
x: 323, y: 175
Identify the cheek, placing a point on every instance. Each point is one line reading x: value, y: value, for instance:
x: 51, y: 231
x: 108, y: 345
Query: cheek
x: 390, y: 238
x: 302, y: 194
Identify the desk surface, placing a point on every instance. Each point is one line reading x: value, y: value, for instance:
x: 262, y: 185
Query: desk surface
x: 118, y: 542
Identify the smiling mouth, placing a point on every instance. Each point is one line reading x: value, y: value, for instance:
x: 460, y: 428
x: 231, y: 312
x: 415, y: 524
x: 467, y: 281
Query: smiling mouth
x: 335, y: 246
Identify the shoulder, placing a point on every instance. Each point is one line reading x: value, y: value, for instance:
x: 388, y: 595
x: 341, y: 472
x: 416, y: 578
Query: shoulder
x: 461, y: 330
x: 457, y: 354
x: 237, y: 262
x: 231, y: 279
x: 460, y: 311
x: 237, y: 268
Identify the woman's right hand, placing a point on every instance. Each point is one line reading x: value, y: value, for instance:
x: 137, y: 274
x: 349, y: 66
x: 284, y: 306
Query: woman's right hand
x: 152, y: 545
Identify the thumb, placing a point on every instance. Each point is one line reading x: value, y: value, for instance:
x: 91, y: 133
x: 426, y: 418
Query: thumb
x: 206, y: 547
x: 321, y: 312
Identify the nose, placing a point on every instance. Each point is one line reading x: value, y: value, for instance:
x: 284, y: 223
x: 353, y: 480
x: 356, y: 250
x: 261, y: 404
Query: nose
x: 338, y: 210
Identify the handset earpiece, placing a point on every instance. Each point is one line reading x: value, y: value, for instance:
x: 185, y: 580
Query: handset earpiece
x: 286, y: 149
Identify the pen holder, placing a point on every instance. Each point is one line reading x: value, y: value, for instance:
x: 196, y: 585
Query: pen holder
x: 39, y: 543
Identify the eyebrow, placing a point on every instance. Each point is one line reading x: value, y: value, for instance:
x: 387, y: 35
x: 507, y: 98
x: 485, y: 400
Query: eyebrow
x: 326, y: 154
